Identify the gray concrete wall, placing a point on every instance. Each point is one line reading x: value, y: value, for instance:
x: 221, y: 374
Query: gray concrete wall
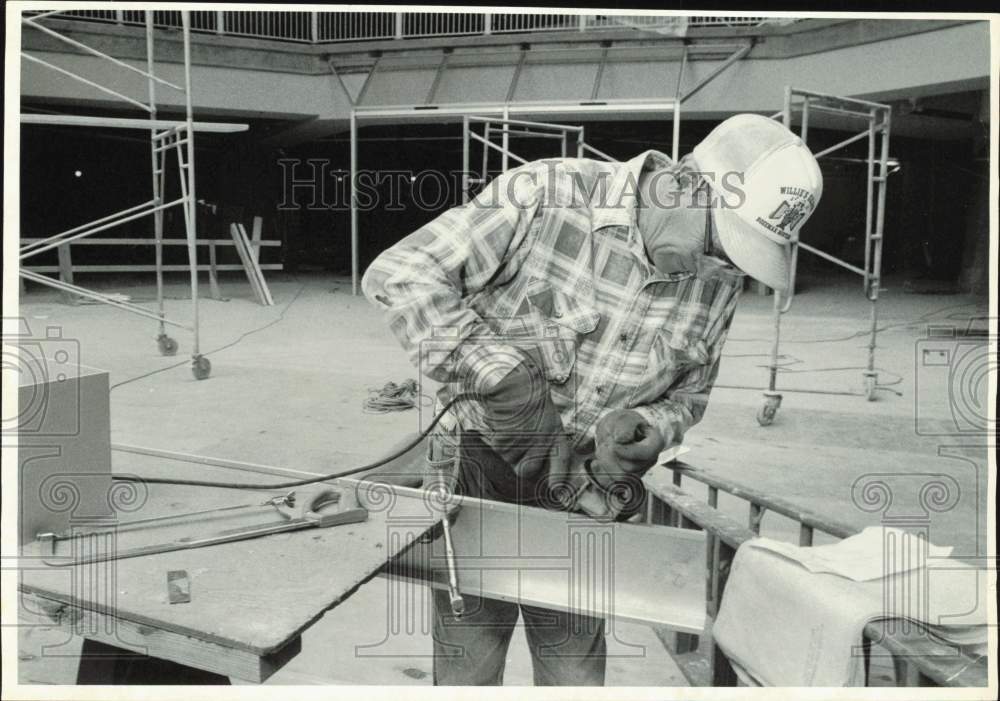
x: 879, y: 59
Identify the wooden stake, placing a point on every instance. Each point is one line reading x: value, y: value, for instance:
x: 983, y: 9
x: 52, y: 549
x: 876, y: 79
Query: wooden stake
x: 213, y: 277
x: 66, y: 271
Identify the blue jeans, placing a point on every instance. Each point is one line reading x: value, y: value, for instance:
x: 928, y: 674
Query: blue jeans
x: 566, y: 649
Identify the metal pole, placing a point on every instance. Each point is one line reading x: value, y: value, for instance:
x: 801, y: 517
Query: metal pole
x: 465, y: 159
x: 870, y: 200
x: 96, y: 296
x: 605, y: 156
x: 61, y: 239
x: 838, y: 110
x: 506, y: 140
x: 794, y: 245
x: 877, y: 235
x: 517, y: 122
x: 486, y: 155
x: 490, y: 144
x: 95, y: 52
x: 838, y: 98
x: 840, y: 145
x: 872, y: 336
x: 157, y: 168
x: 579, y: 144
x: 772, y: 383
x: 805, y: 121
x: 680, y: 73
x: 736, y: 56
x: 192, y: 224
x: 34, y: 246
x: 773, y: 367
x: 354, y: 202
x: 81, y: 79
x: 676, y: 141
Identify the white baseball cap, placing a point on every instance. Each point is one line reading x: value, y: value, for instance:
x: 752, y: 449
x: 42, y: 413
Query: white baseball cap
x: 758, y: 218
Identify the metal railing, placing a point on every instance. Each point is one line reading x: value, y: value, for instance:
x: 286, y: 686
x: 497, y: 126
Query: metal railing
x: 328, y: 27
x: 917, y: 658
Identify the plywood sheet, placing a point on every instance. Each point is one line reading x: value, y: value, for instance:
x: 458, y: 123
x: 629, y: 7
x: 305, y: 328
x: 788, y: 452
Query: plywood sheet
x: 255, y: 595
x: 64, y: 435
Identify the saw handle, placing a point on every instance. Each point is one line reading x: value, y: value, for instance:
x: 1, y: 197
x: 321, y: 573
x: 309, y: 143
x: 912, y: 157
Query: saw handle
x: 323, y: 508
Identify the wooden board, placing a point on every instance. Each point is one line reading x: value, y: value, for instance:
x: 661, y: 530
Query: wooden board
x: 254, y: 274
x: 257, y: 230
x: 66, y: 273
x: 252, y: 254
x: 213, y: 274
x: 163, y: 644
x: 246, y: 260
x: 251, y: 598
x: 64, y: 435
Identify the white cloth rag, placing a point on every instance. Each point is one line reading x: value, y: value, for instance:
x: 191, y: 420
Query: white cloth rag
x: 794, y: 616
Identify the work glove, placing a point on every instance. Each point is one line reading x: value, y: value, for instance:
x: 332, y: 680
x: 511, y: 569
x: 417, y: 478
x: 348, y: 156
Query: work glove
x: 626, y: 447
x: 608, y: 487
x: 524, y: 423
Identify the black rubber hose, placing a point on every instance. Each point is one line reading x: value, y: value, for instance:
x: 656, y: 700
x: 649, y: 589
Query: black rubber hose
x: 311, y: 480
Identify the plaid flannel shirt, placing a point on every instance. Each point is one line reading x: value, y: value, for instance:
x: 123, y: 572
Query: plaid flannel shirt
x: 549, y: 256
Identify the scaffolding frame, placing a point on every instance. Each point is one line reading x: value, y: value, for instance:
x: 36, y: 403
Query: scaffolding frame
x: 878, y: 118
x: 514, y: 128
x: 166, y: 136
x: 672, y: 106
x: 484, y: 113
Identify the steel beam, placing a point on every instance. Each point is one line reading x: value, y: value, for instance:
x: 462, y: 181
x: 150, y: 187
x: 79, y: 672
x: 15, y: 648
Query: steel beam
x: 680, y: 73
x: 438, y: 75
x: 736, y: 56
x: 558, y: 560
x: 523, y: 107
x: 512, y: 88
x: 600, y: 74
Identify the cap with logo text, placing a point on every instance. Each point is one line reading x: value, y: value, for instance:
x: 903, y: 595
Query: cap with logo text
x: 773, y: 183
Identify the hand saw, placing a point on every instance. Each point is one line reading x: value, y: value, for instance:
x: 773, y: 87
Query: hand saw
x: 320, y: 508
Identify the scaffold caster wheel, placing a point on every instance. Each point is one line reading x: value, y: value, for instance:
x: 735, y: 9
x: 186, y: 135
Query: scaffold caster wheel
x: 168, y: 346
x: 201, y: 367
x: 765, y: 415
x: 871, y: 385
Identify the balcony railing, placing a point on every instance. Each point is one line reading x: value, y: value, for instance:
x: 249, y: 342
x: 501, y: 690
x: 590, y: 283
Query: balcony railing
x: 324, y: 27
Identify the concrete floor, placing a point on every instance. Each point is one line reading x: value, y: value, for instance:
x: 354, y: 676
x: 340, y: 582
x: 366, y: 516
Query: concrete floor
x: 288, y: 382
